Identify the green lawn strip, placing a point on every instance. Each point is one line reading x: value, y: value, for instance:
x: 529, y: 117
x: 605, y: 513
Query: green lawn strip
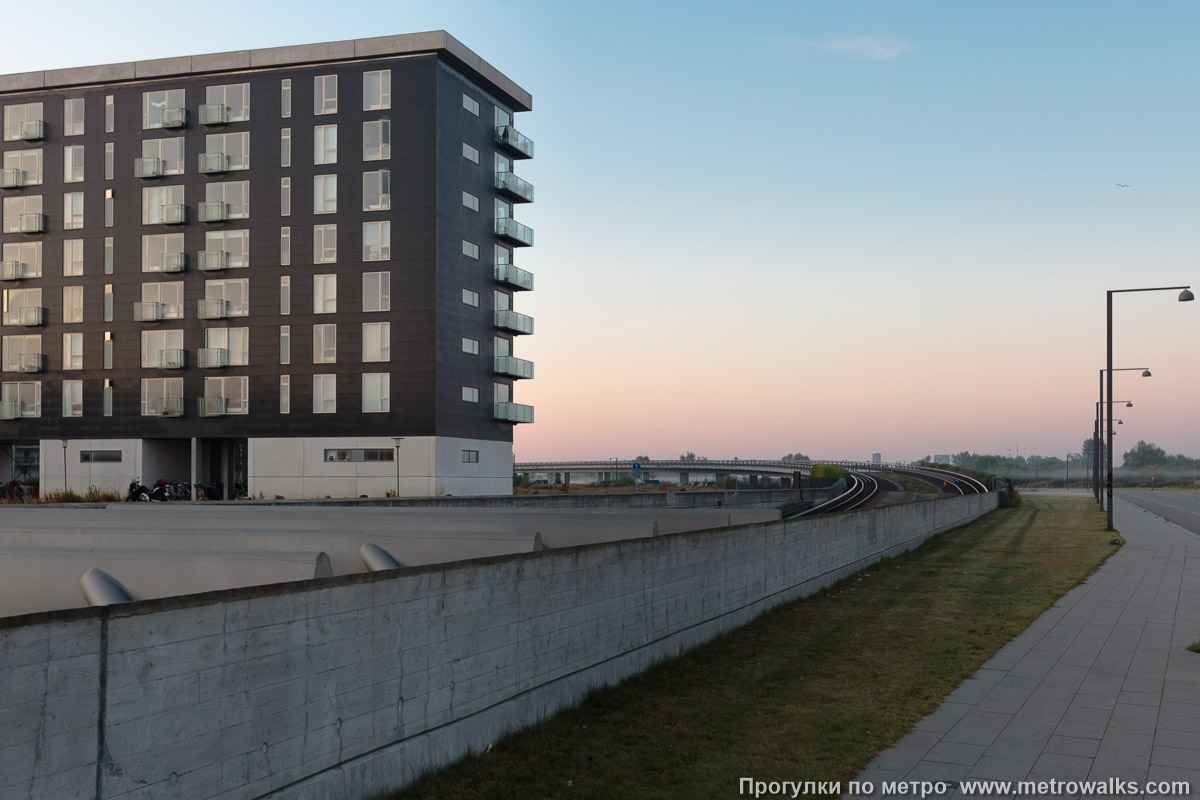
x: 910, y: 484
x: 812, y: 690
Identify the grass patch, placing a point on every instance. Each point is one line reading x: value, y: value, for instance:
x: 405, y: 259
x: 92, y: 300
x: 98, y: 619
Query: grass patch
x: 812, y: 690
x: 1194, y: 647
x: 910, y: 484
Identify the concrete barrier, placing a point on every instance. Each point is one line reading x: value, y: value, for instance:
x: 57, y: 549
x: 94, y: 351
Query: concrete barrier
x: 342, y: 686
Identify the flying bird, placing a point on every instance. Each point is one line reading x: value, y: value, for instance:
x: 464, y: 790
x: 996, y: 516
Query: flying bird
x: 1123, y: 185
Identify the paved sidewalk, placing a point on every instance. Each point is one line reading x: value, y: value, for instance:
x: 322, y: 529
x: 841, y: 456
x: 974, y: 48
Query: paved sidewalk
x: 1099, y: 686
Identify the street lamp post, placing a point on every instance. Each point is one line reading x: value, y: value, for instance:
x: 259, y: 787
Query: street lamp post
x: 1185, y: 295
x: 1097, y: 436
x: 397, y: 441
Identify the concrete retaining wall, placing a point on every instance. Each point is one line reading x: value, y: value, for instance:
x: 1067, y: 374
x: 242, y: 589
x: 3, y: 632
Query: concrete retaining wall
x: 338, y: 687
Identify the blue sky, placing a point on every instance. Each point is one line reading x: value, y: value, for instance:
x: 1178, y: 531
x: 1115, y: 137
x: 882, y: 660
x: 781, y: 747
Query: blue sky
x: 835, y: 227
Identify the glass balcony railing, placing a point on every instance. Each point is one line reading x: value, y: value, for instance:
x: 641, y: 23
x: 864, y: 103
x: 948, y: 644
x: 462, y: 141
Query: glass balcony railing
x: 512, y: 321
x: 12, y: 178
x: 147, y: 167
x: 32, y: 223
x: 213, y: 260
x: 31, y: 362
x: 513, y: 412
x: 170, y: 407
x: 214, y: 211
x: 514, y: 367
x: 209, y: 357
x: 174, y: 117
x: 32, y: 315
x: 517, y: 143
x: 518, y: 189
x: 515, y: 232
x: 172, y: 359
x: 212, y: 309
x: 214, y: 114
x: 10, y: 409
x: 14, y: 271
x: 31, y: 130
x: 147, y: 312
x: 173, y: 214
x: 213, y: 162
x: 211, y: 406
x: 514, y: 277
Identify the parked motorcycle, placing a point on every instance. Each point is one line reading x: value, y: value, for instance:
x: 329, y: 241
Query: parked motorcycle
x: 163, y: 490
x: 15, y: 492
x: 137, y: 492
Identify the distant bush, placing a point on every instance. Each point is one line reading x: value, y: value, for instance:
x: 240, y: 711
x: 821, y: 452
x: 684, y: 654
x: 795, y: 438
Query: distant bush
x: 97, y: 495
x: 830, y: 471
x: 624, y: 480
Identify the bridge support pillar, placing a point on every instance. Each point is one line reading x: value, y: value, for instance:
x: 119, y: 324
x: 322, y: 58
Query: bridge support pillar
x: 753, y: 481
x: 566, y: 477
x: 684, y: 479
x: 785, y: 483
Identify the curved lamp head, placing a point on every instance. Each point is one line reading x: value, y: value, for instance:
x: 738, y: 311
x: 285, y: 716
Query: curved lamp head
x: 1186, y: 295
x: 1129, y: 404
x: 1145, y: 373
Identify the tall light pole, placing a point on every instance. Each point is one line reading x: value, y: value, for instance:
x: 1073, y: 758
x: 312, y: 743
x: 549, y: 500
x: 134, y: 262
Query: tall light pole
x: 1096, y: 435
x: 397, y: 441
x: 1185, y: 295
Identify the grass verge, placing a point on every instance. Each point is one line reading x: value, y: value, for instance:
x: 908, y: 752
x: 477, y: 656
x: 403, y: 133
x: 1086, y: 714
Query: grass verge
x: 1194, y: 647
x: 812, y: 690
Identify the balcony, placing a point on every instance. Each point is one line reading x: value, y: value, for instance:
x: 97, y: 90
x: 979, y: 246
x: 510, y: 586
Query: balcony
x: 15, y: 271
x: 147, y: 312
x: 172, y: 359
x: 168, y: 262
x: 513, y: 412
x: 12, y: 178
x: 520, y: 190
x: 512, y: 321
x: 147, y: 167
x: 170, y: 407
x: 32, y: 130
x: 211, y: 406
x: 31, y: 316
x: 513, y: 367
x: 173, y: 214
x: 31, y: 362
x: 10, y: 409
x: 515, y: 232
x: 212, y: 309
x: 213, y: 162
x: 32, y: 223
x: 214, y: 212
x: 517, y: 144
x: 516, y: 278
x: 214, y: 114
x: 211, y: 357
x: 174, y: 117
x: 213, y: 260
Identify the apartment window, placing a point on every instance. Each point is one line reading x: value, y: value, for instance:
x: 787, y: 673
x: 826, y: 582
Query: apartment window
x: 325, y: 94
x: 72, y: 303
x: 503, y: 210
x: 73, y: 163
x: 29, y: 162
x: 156, y: 390
x: 15, y: 116
x: 234, y: 291
x: 235, y: 245
x: 155, y: 198
x: 108, y: 350
x: 377, y: 291
x: 471, y: 104
x: 72, y: 344
x: 470, y: 394
x: 470, y: 201
x: 470, y: 298
x: 377, y: 140
x: 15, y: 207
x: 235, y: 146
x: 470, y: 153
x: 377, y: 90
x: 285, y: 394
x: 324, y: 244
x: 285, y: 246
x: 108, y: 255
x: 324, y: 344
x: 325, y: 144
x: 325, y: 194
x: 168, y: 151
x: 376, y: 341
x: 324, y: 394
x: 72, y: 211
x: 17, y: 299
x: 110, y: 154
x: 502, y: 117
x: 285, y: 197
x: 27, y: 254
x: 168, y: 295
x: 161, y: 250
x: 160, y: 106
x: 108, y: 398
x: 285, y: 147
x: 108, y: 302
x: 72, y: 398
x: 500, y: 346
x: 376, y: 393
x: 377, y: 190
x: 285, y: 98
x: 234, y: 194
x: 235, y: 97
x: 470, y: 456
x: 26, y: 394
x: 72, y: 260
x: 377, y: 241
x: 361, y: 454
x: 285, y: 295
x: 110, y: 116
x: 501, y: 392
x: 108, y: 208
x: 235, y: 341
x: 99, y: 456
x: 17, y: 346
x: 470, y: 249
x: 285, y: 344
x: 501, y: 300
x: 73, y: 116
x: 324, y: 294
x: 470, y: 346
x: 155, y: 342
x: 235, y: 390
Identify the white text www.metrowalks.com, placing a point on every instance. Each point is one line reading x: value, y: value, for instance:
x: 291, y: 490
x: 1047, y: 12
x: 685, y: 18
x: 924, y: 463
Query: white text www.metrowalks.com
x: 1111, y: 787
